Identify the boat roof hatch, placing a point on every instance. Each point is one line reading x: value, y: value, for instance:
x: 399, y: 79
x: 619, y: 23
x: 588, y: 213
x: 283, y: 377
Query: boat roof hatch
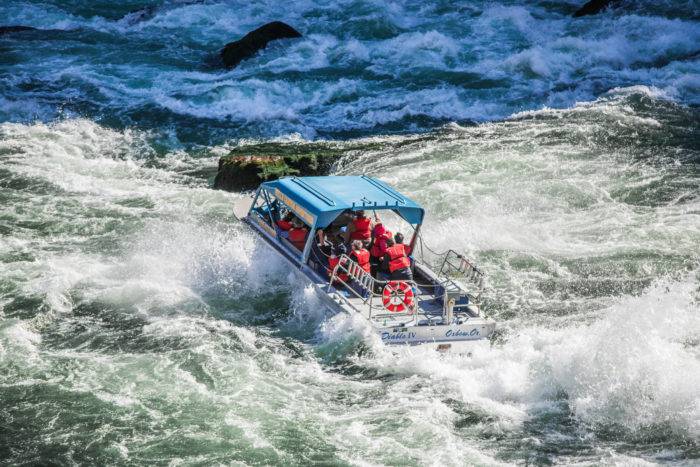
x: 319, y: 200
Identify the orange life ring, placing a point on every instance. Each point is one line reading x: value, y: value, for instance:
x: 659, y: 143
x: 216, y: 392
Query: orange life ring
x: 397, y: 296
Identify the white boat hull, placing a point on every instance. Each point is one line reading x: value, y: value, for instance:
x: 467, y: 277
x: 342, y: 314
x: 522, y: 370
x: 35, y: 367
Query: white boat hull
x: 395, y: 330
x: 438, y: 334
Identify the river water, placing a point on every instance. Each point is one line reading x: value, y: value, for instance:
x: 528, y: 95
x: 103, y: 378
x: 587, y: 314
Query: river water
x: 140, y: 324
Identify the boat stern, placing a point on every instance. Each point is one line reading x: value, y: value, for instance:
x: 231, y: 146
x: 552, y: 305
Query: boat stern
x: 442, y: 337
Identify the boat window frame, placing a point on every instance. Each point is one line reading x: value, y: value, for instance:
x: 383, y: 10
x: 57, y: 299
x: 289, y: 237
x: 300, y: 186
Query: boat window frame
x: 270, y: 198
x: 266, y: 222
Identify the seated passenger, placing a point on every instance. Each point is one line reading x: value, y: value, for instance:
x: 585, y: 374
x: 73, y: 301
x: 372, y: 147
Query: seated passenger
x: 396, y: 262
x: 361, y: 227
x: 360, y: 255
x: 285, y: 223
x: 298, y: 234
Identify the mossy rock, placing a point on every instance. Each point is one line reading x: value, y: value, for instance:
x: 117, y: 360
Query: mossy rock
x: 245, y: 167
x: 244, y: 172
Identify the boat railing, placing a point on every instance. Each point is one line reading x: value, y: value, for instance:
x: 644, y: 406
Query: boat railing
x: 455, y: 264
x: 358, y: 278
x: 452, y: 266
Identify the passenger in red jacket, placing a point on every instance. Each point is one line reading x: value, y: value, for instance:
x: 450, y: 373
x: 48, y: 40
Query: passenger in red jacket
x: 333, y: 261
x: 360, y: 255
x: 398, y: 239
x: 380, y: 237
x: 396, y: 263
x: 361, y: 227
x: 286, y: 222
x: 298, y: 234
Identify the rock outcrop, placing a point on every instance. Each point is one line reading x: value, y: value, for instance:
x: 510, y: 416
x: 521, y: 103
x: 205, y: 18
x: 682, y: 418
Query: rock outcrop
x: 246, y: 168
x: 235, y: 52
x: 593, y: 7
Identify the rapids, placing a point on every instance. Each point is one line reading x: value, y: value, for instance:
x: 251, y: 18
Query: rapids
x: 140, y: 324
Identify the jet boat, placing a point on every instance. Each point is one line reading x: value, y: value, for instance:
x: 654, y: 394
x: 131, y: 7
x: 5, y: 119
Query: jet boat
x: 439, y: 308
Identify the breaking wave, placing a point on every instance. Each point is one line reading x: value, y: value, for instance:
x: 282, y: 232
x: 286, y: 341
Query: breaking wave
x: 393, y: 68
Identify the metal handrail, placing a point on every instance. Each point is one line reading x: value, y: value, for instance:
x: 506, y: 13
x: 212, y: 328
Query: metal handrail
x: 448, y: 269
x: 463, y: 268
x: 368, y: 283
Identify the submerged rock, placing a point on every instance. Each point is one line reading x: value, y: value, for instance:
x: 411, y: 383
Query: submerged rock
x: 235, y: 52
x: 34, y: 33
x: 593, y: 7
x: 10, y: 29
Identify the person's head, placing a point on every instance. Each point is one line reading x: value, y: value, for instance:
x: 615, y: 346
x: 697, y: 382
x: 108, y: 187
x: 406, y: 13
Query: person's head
x: 288, y: 216
x: 296, y: 223
x: 398, y: 238
x: 390, y: 242
x: 357, y: 245
x: 360, y: 214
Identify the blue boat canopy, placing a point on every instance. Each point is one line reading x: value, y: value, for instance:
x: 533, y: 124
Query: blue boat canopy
x: 319, y: 200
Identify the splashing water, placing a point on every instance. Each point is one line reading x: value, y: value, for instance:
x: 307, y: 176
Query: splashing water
x: 140, y: 324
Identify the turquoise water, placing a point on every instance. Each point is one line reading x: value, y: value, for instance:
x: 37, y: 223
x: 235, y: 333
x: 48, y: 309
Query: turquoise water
x: 140, y: 324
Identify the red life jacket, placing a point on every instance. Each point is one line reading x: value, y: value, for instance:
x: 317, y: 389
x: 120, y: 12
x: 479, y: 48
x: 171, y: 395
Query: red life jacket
x: 397, y: 257
x: 361, y: 258
x: 362, y: 230
x: 332, y: 263
x: 298, y: 237
x: 379, y: 246
x: 284, y: 225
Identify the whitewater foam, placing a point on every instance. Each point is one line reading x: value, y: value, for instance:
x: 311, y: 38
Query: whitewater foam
x: 479, y: 63
x: 628, y: 370
x: 131, y: 297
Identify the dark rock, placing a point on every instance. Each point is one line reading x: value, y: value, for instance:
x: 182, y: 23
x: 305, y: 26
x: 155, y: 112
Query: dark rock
x: 241, y: 172
x: 238, y: 173
x: 34, y: 33
x: 246, y: 168
x: 10, y: 29
x: 234, y: 52
x: 593, y: 7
